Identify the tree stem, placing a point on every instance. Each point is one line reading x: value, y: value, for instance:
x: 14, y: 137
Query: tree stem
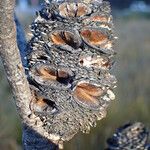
x: 33, y: 134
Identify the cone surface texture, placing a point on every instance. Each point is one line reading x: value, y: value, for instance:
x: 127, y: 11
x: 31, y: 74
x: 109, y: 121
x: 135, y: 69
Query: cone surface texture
x: 69, y: 60
x: 130, y: 137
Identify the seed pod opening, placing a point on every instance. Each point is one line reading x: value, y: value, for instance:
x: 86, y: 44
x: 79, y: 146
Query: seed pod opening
x: 65, y: 38
x: 63, y: 76
x: 94, y: 37
x: 88, y: 95
x: 70, y: 10
x: 41, y: 104
x: 47, y: 73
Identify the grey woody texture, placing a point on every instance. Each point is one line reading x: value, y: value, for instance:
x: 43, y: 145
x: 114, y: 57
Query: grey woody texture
x: 132, y: 136
x: 11, y: 58
x: 69, y: 60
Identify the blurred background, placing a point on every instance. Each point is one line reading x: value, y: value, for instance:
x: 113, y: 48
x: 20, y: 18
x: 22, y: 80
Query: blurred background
x: 132, y: 69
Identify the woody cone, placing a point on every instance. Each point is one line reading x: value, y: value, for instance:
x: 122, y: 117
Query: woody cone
x: 69, y: 60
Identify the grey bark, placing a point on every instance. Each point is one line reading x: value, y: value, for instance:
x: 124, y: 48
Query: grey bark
x: 21, y: 41
x: 11, y: 58
x: 33, y: 135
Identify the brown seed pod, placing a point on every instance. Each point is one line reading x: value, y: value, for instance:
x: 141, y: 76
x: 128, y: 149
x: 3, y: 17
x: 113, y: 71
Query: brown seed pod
x: 94, y: 37
x: 71, y: 10
x: 64, y: 37
x: 88, y: 95
x: 99, y: 20
x: 44, y: 74
x: 41, y: 104
x: 98, y: 17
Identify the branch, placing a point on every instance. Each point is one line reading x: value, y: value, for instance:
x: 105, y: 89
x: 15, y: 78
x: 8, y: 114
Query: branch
x: 16, y: 76
x: 11, y: 59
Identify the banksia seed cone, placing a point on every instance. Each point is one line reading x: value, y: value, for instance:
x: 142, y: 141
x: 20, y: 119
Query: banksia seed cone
x: 70, y: 56
x: 129, y: 137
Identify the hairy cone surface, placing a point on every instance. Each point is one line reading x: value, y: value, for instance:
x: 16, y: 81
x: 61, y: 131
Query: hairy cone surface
x: 69, y: 59
x: 130, y: 137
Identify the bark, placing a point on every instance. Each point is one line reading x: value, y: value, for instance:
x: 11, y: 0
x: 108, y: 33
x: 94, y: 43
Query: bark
x: 11, y: 58
x: 33, y: 135
x: 21, y: 41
